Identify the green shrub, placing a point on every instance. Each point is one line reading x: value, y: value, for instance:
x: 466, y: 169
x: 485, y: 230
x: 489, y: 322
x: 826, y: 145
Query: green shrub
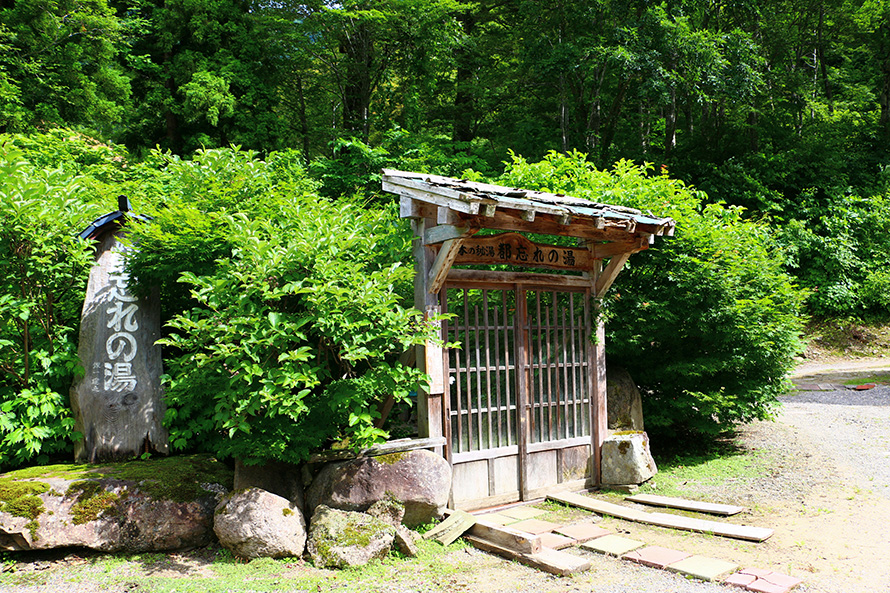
x: 293, y: 322
x: 707, y: 322
x: 43, y: 272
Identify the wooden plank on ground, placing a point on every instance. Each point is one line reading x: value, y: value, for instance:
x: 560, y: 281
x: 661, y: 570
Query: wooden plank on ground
x: 548, y: 559
x: 446, y: 532
x: 745, y: 532
x: 598, y: 506
x: 503, y: 536
x: 711, y: 508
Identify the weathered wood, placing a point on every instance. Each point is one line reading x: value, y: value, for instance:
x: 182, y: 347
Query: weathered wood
x: 599, y: 414
x: 429, y: 405
x: 456, y: 200
x: 598, y: 506
x: 443, y: 232
x: 396, y: 446
x: 608, y: 276
x: 503, y: 536
x: 517, y: 250
x: 549, y: 560
x: 410, y: 208
x: 441, y: 265
x: 435, y: 368
x: 447, y: 532
x: 493, y: 277
x: 548, y: 224
x: 744, y: 532
x: 711, y: 508
x: 523, y: 434
x: 606, y: 250
x: 506, y: 537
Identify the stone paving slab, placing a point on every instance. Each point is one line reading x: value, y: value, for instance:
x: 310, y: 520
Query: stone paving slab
x: 534, y: 526
x: 704, y: 568
x: 522, y: 513
x: 583, y: 531
x: 496, y: 519
x: 761, y: 580
x: 613, y: 545
x: 556, y: 541
x: 655, y: 556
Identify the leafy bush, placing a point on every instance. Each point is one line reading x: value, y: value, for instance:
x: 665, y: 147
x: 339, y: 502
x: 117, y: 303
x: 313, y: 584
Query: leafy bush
x: 707, y: 322
x: 293, y: 324
x: 840, y: 254
x: 43, y: 271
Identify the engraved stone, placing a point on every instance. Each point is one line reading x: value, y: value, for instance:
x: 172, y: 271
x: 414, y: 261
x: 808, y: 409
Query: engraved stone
x: 118, y: 403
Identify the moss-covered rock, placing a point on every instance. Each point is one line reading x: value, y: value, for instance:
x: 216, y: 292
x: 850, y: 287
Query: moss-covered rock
x: 137, y: 506
x: 420, y: 480
x: 340, y: 539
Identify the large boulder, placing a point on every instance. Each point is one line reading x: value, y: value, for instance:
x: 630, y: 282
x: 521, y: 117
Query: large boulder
x: 626, y: 459
x: 253, y: 523
x: 139, y: 506
x: 623, y: 401
x: 340, y: 539
x: 277, y: 477
x: 420, y: 480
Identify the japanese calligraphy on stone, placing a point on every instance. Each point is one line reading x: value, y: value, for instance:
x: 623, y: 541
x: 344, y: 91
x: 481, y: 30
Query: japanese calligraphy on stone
x: 121, y: 346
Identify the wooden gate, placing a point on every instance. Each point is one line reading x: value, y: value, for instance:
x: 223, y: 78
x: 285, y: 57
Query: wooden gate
x: 518, y: 409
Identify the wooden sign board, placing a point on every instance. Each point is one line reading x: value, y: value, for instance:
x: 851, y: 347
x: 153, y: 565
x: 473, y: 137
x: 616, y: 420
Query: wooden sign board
x: 514, y: 249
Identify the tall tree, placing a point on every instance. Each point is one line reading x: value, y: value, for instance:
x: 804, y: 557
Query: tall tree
x: 58, y: 65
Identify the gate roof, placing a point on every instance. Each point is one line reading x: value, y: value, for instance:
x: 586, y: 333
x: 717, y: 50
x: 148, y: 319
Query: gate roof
x: 470, y: 204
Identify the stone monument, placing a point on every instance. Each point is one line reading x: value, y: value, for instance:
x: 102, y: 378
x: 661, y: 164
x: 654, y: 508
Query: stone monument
x: 118, y: 402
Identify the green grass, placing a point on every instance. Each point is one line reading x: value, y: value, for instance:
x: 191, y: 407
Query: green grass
x: 216, y: 570
x: 878, y: 378
x: 697, y: 475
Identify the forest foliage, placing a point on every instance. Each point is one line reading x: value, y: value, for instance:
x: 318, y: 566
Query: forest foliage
x: 762, y: 128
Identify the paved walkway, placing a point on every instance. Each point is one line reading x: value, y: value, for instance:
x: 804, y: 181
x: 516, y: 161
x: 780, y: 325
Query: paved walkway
x: 590, y: 537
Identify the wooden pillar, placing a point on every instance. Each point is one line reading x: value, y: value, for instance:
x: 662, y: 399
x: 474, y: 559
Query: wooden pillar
x: 599, y: 421
x: 429, y: 356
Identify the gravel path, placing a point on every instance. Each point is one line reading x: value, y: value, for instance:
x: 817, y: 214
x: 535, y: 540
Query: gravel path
x: 851, y: 427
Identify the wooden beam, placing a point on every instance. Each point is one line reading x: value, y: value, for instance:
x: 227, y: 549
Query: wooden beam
x: 604, y: 282
x: 744, y: 532
x: 712, y: 508
x: 429, y: 404
x: 599, y: 412
x: 447, y: 532
x: 505, y: 537
x: 460, y: 205
x: 443, y: 232
x: 445, y: 215
x: 557, y: 281
x: 442, y: 265
x: 410, y: 208
x: 549, y: 560
x: 396, y: 446
x: 547, y: 224
x: 606, y: 250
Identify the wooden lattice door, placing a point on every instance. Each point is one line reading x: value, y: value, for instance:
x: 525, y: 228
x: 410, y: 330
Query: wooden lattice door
x: 518, y: 411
